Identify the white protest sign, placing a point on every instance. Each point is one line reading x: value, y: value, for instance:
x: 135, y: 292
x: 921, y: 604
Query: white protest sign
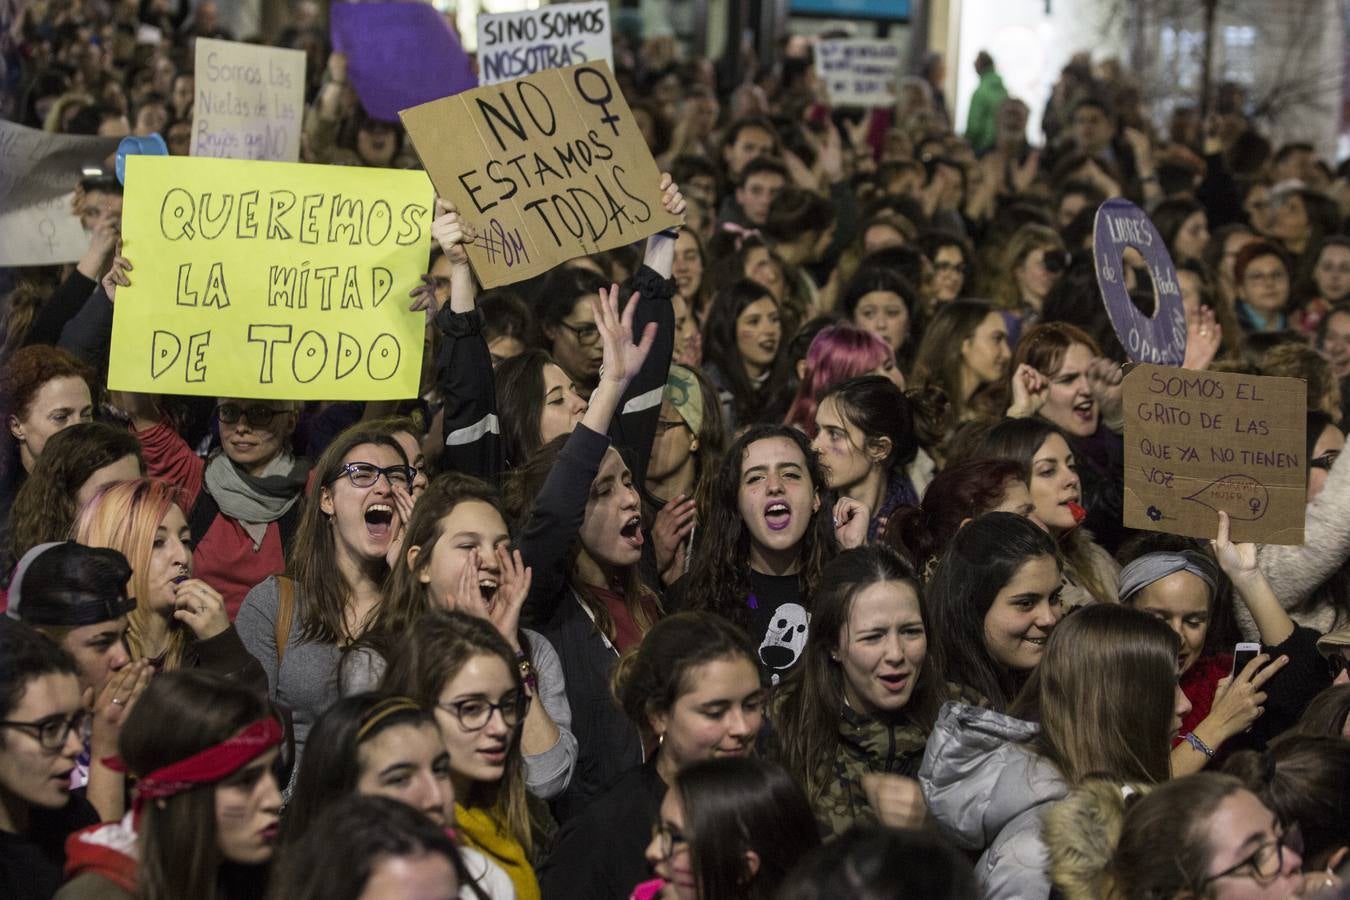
x: 859, y: 71
x: 38, y: 175
x: 249, y: 101
x: 513, y: 45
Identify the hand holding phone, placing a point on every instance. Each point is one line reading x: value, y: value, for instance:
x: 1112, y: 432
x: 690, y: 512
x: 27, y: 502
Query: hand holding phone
x: 1243, y: 653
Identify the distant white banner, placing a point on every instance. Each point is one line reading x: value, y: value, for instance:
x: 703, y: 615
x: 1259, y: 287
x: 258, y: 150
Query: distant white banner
x: 513, y: 45
x: 859, y: 71
x: 38, y: 174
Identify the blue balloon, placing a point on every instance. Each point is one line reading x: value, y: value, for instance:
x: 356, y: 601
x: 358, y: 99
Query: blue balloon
x: 151, y: 145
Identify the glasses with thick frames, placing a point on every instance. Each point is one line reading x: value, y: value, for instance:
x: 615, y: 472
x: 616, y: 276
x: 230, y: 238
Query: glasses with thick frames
x: 1266, y: 862
x: 586, y: 335
x: 474, y: 714
x: 364, y: 474
x: 53, y: 731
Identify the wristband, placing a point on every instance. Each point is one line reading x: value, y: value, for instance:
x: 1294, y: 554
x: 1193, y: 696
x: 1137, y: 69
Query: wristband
x: 1199, y: 745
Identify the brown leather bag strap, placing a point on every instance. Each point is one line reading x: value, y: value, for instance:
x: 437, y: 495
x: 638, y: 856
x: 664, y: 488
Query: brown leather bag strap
x: 285, y: 613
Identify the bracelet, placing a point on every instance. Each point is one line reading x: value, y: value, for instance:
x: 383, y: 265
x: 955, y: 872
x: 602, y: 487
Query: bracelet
x: 1199, y: 745
x: 527, y: 673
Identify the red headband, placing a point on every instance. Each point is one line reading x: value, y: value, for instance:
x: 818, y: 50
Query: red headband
x: 210, y: 765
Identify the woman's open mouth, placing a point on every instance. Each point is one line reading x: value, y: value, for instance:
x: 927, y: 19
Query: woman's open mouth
x: 379, y: 520
x: 777, y: 516
x: 893, y: 682
x: 632, y: 532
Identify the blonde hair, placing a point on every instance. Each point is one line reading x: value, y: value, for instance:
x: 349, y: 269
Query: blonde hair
x: 1024, y: 240
x: 124, y: 516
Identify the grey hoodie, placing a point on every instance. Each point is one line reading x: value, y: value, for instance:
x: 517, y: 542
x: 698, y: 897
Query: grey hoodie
x: 988, y: 790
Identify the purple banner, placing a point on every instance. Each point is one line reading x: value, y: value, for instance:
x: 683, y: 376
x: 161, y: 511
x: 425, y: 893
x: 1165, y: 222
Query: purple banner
x: 1161, y: 338
x: 399, y: 55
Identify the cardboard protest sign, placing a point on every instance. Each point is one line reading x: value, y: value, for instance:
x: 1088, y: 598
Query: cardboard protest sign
x: 1160, y: 338
x: 248, y: 102
x: 512, y: 45
x: 1200, y: 442
x: 546, y: 168
x: 859, y: 71
x: 275, y: 280
x: 399, y: 55
x: 38, y: 176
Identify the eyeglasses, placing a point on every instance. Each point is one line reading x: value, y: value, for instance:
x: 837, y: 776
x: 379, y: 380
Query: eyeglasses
x: 1325, y: 461
x: 53, y: 731
x: 667, y: 837
x: 1266, y: 862
x: 473, y: 715
x: 364, y: 474
x: 258, y: 416
x: 586, y: 335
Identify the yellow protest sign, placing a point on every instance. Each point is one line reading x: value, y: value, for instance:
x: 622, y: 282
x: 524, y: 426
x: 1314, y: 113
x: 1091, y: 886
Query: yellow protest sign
x: 546, y: 168
x: 270, y: 280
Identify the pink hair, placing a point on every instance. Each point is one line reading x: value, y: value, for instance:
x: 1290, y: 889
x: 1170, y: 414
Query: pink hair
x: 838, y: 353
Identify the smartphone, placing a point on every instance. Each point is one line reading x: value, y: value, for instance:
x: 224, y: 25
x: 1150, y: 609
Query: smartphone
x: 1244, y: 653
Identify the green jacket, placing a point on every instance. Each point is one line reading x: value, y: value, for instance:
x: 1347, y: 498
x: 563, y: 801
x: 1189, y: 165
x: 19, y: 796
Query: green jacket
x: 982, y: 122
x: 868, y: 745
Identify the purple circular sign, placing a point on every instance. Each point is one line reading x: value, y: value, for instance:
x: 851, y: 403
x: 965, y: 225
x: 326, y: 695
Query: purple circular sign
x: 1161, y: 338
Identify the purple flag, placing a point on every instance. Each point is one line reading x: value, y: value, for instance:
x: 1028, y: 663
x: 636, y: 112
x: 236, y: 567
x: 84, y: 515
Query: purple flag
x: 399, y: 55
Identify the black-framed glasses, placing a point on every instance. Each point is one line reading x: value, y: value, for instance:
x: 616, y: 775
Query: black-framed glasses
x: 586, y: 335
x: 1325, y: 461
x: 1266, y: 862
x: 364, y: 474
x: 53, y: 731
x: 258, y: 416
x: 667, y: 838
x: 473, y: 714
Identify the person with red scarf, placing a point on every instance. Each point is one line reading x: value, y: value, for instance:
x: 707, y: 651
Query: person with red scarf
x: 206, y: 803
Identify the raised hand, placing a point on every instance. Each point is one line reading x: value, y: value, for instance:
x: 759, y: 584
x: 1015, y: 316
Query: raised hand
x: 622, y: 358
x: 1239, y: 700
x: 403, y: 507
x: 1030, y: 389
x: 672, y: 201
x: 1204, y: 337
x: 453, y: 233
x: 1238, y: 561
x: 117, y: 274
x: 513, y: 586
x: 112, y: 704
x: 1105, y: 380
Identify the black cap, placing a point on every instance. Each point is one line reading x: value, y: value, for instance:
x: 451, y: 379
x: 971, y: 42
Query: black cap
x: 69, y: 584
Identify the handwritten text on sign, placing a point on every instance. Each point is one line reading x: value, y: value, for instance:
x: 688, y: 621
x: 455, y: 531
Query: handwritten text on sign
x: 859, y: 71
x: 511, y: 45
x: 546, y: 168
x: 272, y: 280
x: 1200, y: 442
x: 39, y: 172
x: 249, y: 101
x: 1160, y: 338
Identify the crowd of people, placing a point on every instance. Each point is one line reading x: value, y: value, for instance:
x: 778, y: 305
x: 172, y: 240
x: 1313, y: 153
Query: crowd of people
x: 779, y: 555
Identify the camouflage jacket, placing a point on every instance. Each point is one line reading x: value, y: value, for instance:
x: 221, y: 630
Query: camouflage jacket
x: 867, y: 745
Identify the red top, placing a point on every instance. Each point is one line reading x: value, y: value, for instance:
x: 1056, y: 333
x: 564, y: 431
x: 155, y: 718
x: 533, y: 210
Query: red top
x: 627, y: 635
x: 1199, y: 684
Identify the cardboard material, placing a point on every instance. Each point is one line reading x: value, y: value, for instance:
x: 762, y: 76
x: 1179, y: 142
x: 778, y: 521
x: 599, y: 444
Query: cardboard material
x: 1160, y: 338
x: 1199, y: 442
x: 513, y: 45
x: 276, y: 280
x: 399, y: 55
x: 859, y: 71
x: 249, y: 101
x: 546, y: 168
x: 38, y: 176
